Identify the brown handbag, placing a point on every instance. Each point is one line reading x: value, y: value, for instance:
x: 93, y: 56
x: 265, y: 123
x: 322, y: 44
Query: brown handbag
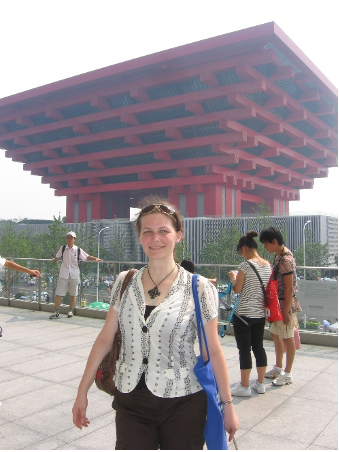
x: 106, y: 370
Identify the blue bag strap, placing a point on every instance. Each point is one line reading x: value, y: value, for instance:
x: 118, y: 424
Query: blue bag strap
x: 228, y: 288
x: 233, y: 309
x: 200, y: 325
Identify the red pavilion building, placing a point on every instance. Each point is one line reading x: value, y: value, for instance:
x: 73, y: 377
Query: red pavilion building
x: 217, y: 126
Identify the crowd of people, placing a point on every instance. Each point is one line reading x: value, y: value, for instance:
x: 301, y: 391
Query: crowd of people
x: 158, y: 395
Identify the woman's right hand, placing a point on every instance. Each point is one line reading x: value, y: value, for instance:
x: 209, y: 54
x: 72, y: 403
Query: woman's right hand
x: 79, y: 412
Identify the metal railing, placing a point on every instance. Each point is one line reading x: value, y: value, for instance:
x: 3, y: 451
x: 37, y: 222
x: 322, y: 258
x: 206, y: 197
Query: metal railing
x: 318, y: 298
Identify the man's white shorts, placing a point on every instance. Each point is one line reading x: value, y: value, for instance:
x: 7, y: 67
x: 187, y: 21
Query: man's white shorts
x: 282, y: 330
x: 64, y: 284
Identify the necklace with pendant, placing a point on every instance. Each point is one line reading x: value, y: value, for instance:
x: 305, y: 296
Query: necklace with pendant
x: 154, y: 292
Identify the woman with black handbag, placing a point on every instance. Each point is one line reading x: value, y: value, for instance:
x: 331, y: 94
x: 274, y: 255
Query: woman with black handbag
x: 249, y: 321
x: 159, y: 402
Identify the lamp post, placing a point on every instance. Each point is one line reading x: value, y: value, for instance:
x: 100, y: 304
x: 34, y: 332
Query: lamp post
x: 307, y: 222
x: 98, y: 262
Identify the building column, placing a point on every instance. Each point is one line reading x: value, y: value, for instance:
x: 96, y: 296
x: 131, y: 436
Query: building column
x: 99, y: 206
x: 273, y: 204
x: 82, y: 211
x: 233, y: 202
x: 174, y: 197
x: 237, y: 202
x: 69, y: 210
x: 125, y: 204
x: 114, y: 207
x: 213, y: 200
x: 71, y: 206
x: 191, y: 204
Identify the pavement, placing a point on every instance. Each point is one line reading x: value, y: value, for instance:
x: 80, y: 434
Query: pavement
x: 42, y: 361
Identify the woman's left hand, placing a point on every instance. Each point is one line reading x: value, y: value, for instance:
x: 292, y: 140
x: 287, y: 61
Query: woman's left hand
x: 79, y: 412
x: 286, y: 317
x: 232, y: 275
x: 231, y: 421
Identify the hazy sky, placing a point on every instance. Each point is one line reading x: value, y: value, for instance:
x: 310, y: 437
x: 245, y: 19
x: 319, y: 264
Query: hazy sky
x: 45, y: 41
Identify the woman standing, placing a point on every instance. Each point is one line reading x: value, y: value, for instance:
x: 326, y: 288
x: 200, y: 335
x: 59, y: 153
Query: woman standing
x: 249, y: 321
x: 159, y: 402
x: 284, y: 271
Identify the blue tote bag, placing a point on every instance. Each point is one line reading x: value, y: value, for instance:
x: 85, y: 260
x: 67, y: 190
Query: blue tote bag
x: 214, y: 430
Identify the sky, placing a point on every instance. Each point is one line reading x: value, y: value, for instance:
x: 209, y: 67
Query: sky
x: 46, y: 41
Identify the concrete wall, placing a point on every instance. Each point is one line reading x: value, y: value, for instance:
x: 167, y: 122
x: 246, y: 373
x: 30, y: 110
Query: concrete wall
x: 315, y: 337
x: 49, y: 308
x: 319, y: 299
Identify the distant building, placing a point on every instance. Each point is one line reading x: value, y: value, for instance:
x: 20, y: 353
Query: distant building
x: 324, y: 228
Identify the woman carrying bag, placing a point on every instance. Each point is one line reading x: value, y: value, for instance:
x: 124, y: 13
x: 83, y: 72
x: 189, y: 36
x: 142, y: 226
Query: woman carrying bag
x: 249, y: 321
x: 282, y: 332
x: 159, y: 402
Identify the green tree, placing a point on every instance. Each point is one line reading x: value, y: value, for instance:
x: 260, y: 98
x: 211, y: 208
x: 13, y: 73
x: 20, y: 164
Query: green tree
x: 87, y: 239
x: 221, y: 250
x: 121, y: 249
x: 13, y: 243
x: 316, y: 255
x: 262, y: 221
x: 182, y: 250
x: 55, y: 238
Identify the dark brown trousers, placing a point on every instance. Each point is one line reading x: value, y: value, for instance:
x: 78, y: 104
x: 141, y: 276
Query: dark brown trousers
x: 145, y: 421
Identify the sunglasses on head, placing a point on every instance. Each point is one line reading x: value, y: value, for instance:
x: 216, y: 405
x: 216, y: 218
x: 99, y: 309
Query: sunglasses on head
x: 162, y: 207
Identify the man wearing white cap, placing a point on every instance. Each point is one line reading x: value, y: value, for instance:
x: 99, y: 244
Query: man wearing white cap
x: 69, y: 272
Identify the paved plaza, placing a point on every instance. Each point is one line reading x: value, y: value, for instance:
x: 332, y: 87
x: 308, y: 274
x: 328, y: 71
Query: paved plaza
x: 41, y: 363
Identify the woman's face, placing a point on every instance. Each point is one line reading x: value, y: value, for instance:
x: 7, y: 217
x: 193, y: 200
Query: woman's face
x: 158, y: 235
x: 271, y: 247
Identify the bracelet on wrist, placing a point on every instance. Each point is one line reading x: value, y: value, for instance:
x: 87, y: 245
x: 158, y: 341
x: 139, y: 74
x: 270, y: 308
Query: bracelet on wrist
x: 227, y: 402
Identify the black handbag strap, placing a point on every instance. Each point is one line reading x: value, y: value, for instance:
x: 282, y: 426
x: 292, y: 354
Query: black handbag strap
x: 261, y: 283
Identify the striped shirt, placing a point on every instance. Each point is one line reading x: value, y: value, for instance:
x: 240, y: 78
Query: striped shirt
x: 251, y: 300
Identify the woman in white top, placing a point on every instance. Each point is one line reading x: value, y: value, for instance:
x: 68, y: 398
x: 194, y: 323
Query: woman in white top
x: 159, y: 402
x: 249, y: 321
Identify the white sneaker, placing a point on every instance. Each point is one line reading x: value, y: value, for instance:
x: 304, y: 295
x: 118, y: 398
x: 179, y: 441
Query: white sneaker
x: 283, y: 379
x: 54, y: 316
x: 241, y: 391
x: 274, y: 372
x: 70, y: 314
x: 259, y: 387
